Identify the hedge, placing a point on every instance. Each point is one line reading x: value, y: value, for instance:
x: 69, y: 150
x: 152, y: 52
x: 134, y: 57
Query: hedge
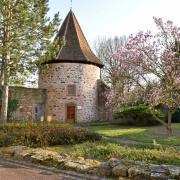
x: 140, y: 115
x: 38, y: 135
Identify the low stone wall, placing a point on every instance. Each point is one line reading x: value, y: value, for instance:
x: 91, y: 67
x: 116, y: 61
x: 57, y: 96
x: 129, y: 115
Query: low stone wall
x: 31, y: 103
x: 138, y: 170
x: 113, y: 168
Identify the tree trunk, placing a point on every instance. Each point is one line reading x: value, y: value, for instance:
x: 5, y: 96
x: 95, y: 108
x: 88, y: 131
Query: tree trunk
x: 168, y: 124
x: 5, y: 90
x: 169, y: 128
x: 4, y: 107
x: 6, y: 59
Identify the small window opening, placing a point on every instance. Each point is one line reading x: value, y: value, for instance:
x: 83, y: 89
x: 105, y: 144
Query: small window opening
x: 71, y: 90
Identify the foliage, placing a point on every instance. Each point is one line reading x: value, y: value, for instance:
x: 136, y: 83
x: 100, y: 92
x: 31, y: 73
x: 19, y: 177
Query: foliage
x: 30, y: 36
x: 6, y: 140
x: 104, y: 48
x: 138, y: 115
x: 104, y: 86
x: 26, y: 34
x: 104, y: 150
x: 13, y: 105
x: 37, y: 135
x: 150, y: 62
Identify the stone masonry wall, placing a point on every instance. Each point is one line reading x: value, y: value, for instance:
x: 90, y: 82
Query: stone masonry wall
x: 31, y: 103
x: 58, y: 77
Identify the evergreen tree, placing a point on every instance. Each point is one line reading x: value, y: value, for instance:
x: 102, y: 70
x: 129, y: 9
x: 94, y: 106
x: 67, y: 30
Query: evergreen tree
x: 26, y: 41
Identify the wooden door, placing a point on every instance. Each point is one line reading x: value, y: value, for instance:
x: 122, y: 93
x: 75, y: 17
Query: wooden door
x: 71, y: 114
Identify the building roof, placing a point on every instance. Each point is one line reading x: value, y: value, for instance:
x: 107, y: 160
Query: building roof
x: 76, y: 48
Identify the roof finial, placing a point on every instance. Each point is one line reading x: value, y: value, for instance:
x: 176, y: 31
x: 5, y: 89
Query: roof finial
x: 71, y: 4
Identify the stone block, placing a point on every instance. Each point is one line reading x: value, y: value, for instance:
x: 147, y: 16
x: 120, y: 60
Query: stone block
x: 120, y: 171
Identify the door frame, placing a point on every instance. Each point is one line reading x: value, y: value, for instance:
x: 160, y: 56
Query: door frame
x: 71, y: 104
x: 40, y: 113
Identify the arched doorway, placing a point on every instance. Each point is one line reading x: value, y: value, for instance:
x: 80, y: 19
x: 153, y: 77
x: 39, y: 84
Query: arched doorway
x: 71, y: 113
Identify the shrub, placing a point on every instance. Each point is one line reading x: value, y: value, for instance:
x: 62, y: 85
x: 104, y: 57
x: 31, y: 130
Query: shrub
x: 105, y: 151
x: 140, y: 115
x: 37, y: 135
x: 6, y: 140
x: 70, y: 136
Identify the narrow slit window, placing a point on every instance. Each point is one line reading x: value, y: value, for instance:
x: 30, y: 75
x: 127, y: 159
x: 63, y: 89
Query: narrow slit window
x: 71, y: 90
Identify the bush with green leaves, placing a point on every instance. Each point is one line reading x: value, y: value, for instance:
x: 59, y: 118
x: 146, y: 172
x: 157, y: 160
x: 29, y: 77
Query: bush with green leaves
x: 44, y: 134
x: 140, y: 115
x: 6, y: 140
x: 104, y: 151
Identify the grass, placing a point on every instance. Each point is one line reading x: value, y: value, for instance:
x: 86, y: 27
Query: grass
x: 140, y: 134
x: 104, y: 150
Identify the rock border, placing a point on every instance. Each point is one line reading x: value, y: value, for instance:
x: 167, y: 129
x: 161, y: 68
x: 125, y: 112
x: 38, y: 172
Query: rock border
x: 114, y: 168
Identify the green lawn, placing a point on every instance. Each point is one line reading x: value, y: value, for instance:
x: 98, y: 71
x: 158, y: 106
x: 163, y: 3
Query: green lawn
x: 104, y: 149
x: 140, y: 134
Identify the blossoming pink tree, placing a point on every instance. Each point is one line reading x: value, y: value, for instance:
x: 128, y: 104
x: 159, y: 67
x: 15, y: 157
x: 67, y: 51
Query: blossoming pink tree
x: 151, y: 63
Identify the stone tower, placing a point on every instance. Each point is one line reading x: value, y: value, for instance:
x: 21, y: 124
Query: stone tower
x: 72, y: 78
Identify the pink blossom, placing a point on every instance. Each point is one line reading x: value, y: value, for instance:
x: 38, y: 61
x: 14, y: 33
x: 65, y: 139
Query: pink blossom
x: 146, y: 56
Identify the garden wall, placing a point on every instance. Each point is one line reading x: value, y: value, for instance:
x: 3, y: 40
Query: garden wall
x: 31, y: 103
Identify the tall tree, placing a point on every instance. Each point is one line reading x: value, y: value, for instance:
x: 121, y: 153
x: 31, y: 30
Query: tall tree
x: 26, y: 40
x: 156, y: 60
x: 104, y: 48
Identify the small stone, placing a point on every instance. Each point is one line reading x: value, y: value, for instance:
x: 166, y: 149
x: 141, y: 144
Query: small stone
x: 174, y: 171
x: 82, y: 168
x: 158, y: 176
x: 114, y: 162
x: 64, y: 155
x: 157, y: 168
x: 18, y: 150
x: 39, y: 158
x: 26, y: 154
x: 104, y: 170
x: 61, y: 163
x: 121, y: 178
x: 120, y: 171
x: 70, y: 165
x: 93, y: 171
x: 80, y: 158
x: 138, y: 172
x: 92, y: 162
x: 14, y: 151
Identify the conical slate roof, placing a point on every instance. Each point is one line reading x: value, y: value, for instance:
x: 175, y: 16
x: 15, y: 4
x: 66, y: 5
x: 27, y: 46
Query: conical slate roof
x: 76, y: 48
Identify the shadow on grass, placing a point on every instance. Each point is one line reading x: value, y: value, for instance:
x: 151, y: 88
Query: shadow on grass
x: 152, y: 134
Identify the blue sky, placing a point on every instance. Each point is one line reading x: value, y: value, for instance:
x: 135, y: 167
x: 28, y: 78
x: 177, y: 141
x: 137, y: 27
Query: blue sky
x: 117, y: 17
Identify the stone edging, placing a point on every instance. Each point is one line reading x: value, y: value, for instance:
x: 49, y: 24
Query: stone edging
x: 114, y: 168
x: 71, y: 174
